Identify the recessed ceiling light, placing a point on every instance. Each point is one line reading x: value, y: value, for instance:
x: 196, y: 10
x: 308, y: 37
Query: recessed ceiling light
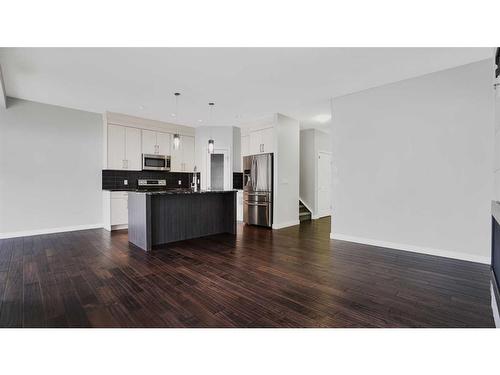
x: 173, y: 114
x: 322, y: 118
x: 141, y: 107
x: 200, y: 120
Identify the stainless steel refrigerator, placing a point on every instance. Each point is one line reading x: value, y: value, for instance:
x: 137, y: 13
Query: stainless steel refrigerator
x: 258, y: 189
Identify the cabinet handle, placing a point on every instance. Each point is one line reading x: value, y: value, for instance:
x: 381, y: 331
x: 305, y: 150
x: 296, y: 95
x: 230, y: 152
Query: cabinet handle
x: 123, y: 164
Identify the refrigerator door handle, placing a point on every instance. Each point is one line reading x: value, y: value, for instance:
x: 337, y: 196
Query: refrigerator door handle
x: 257, y: 204
x: 254, y: 173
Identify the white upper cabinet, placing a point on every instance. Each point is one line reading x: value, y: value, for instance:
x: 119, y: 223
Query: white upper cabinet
x: 245, y: 145
x: 133, y: 155
x: 183, y: 159
x: 188, y: 153
x: 261, y: 141
x: 124, y: 148
x: 267, y: 140
x: 163, y: 141
x: 116, y: 147
x: 126, y: 138
x: 149, y: 145
x: 155, y: 142
x: 255, y: 142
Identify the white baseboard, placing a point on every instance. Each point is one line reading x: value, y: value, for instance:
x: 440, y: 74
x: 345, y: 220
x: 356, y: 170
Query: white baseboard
x: 412, y: 248
x: 286, y: 224
x: 119, y: 227
x: 324, y: 214
x: 49, y: 230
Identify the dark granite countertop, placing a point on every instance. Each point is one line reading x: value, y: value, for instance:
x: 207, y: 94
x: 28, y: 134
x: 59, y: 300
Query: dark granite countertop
x: 185, y: 191
x: 171, y: 191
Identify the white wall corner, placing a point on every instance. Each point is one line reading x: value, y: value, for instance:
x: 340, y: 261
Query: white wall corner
x: 494, y: 306
x: 3, y: 92
x: 411, y: 248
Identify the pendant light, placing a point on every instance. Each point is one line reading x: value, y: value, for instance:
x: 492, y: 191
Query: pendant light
x: 211, y: 142
x: 177, y: 137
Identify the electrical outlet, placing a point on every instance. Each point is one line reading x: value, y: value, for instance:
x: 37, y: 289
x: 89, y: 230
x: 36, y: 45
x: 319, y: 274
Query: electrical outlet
x: 179, y: 182
x: 125, y: 182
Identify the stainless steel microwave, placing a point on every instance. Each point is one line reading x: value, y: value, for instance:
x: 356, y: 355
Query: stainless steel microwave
x: 153, y: 162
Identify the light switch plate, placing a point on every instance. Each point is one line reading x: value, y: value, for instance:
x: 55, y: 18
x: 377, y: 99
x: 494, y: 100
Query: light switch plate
x: 179, y: 182
x: 125, y: 182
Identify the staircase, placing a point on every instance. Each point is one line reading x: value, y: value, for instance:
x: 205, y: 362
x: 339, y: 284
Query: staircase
x: 304, y: 213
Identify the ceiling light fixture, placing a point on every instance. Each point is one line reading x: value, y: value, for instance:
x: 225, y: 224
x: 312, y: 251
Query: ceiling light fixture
x: 322, y: 118
x: 211, y: 142
x: 177, y: 137
x: 177, y: 141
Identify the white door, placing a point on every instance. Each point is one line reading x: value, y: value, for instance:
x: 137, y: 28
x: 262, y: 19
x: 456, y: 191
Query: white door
x: 163, y: 142
x: 188, y: 154
x: 149, y: 142
x: 324, y: 184
x: 116, y: 147
x: 267, y: 140
x: 133, y: 149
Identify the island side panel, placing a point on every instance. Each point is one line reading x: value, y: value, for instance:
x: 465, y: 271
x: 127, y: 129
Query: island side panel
x: 139, y: 220
x: 176, y: 217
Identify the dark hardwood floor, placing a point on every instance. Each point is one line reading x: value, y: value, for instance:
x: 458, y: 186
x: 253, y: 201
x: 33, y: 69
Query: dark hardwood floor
x: 294, y: 277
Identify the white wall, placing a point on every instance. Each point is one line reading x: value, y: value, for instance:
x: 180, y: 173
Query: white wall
x: 50, y: 168
x: 307, y: 187
x: 312, y: 141
x: 237, y: 161
x: 223, y: 139
x: 413, y: 161
x: 286, y: 172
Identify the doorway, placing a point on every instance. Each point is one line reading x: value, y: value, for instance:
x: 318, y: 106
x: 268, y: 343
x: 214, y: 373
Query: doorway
x: 324, y: 183
x: 218, y: 169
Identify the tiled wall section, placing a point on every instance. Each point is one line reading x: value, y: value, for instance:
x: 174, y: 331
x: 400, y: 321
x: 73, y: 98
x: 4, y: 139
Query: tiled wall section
x: 114, y: 179
x: 237, y: 180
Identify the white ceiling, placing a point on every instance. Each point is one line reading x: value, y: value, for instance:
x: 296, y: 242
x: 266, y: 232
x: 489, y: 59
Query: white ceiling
x: 247, y: 84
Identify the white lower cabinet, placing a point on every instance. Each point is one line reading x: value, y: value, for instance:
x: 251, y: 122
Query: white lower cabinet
x: 115, y: 210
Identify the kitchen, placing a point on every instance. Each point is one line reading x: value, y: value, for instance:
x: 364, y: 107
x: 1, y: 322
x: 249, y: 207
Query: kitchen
x: 147, y: 161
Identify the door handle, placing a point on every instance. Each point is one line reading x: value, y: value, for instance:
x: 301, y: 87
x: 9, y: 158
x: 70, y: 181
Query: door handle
x: 257, y: 204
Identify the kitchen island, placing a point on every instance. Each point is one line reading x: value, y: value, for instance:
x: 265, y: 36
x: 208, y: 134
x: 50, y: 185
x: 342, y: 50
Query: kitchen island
x: 160, y: 217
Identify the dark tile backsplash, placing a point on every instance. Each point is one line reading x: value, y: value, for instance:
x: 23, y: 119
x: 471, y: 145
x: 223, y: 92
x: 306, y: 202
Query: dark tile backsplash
x: 113, y: 179
x: 238, y: 180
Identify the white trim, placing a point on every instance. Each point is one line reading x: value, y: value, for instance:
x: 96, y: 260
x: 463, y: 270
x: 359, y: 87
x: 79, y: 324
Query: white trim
x: 307, y: 206
x: 412, y: 248
x: 119, y: 227
x: 49, y: 230
x: 286, y: 224
x: 318, y: 214
x: 322, y: 214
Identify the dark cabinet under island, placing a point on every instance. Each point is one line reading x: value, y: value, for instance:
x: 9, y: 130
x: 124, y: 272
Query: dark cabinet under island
x: 157, y: 218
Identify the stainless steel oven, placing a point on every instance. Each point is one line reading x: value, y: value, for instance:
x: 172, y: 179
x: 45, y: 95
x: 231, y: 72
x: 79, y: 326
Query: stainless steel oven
x: 152, y: 162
